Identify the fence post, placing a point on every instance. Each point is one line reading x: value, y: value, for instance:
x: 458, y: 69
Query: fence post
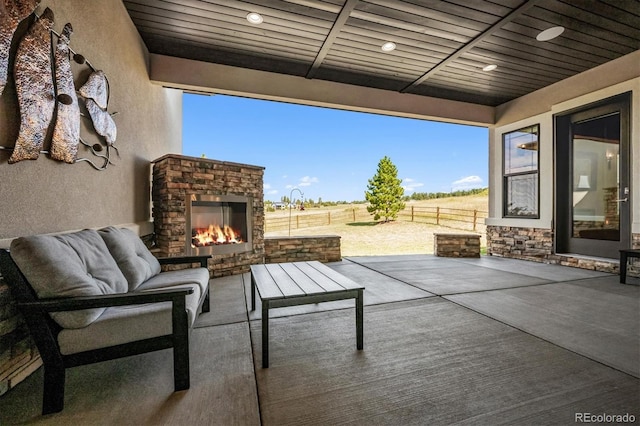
x: 329, y: 218
x: 354, y: 214
x: 411, y: 213
x: 475, y: 218
x: 437, y: 215
x: 297, y: 221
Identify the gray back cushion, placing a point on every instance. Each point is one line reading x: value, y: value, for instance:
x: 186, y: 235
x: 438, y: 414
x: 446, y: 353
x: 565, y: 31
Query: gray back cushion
x: 134, y: 259
x: 76, y: 264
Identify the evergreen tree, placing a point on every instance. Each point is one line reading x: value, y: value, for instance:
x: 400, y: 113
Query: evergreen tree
x: 384, y: 192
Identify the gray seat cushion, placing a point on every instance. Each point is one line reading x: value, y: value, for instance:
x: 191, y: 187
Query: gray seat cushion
x: 64, y: 265
x: 134, y: 259
x: 124, y: 324
x: 198, y: 276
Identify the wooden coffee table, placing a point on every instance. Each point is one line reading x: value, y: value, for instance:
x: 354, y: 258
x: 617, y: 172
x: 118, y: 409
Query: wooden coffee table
x: 301, y: 283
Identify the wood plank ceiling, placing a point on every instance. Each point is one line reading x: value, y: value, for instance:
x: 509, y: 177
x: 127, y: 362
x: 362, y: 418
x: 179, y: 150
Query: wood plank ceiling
x: 442, y: 46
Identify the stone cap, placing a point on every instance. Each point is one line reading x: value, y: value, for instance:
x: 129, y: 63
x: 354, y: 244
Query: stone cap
x: 284, y: 237
x: 454, y: 234
x: 205, y: 160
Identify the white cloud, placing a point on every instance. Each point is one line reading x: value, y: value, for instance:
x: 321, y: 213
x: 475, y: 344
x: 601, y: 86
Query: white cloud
x: 268, y: 189
x: 467, y: 180
x: 289, y: 186
x: 307, y: 181
x: 467, y: 183
x: 410, y: 184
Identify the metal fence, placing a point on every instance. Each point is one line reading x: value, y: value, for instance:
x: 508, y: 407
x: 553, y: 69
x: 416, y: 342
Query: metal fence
x: 472, y: 220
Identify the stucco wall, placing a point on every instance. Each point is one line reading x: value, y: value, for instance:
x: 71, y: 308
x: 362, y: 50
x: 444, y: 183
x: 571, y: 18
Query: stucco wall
x: 545, y: 172
x: 546, y: 146
x: 48, y: 196
x: 558, y: 104
x: 45, y: 196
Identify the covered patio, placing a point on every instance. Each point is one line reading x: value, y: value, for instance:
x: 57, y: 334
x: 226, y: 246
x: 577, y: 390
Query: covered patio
x: 483, y: 341
x: 464, y: 341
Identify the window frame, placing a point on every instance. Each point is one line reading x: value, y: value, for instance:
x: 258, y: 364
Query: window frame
x: 506, y: 176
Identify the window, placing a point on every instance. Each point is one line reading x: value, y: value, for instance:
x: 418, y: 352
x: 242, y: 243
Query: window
x: 520, y: 184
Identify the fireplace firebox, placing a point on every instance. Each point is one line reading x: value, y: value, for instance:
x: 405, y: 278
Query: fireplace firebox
x: 218, y: 224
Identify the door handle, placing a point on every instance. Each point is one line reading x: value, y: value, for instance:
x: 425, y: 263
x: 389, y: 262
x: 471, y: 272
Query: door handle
x: 622, y: 200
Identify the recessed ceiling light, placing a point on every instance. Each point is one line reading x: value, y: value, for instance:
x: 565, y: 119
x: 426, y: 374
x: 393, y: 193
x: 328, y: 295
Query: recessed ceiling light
x: 255, y: 18
x: 490, y: 67
x: 388, y: 46
x: 550, y: 33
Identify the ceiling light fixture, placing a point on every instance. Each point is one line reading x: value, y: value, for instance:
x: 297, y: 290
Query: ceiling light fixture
x: 490, y: 67
x: 388, y: 46
x: 255, y: 18
x: 550, y: 33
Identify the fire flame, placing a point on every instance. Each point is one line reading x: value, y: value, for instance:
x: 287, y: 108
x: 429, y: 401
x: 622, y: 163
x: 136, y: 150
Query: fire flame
x: 214, y: 235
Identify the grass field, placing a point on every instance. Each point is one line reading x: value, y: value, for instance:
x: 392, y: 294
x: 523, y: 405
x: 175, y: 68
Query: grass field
x: 364, y: 237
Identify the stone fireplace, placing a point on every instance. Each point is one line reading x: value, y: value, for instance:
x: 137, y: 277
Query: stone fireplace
x: 203, y: 206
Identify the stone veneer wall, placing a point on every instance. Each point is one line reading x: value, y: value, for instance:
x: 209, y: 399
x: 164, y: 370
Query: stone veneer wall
x: 536, y: 244
x: 325, y: 248
x: 19, y: 356
x: 520, y: 243
x: 175, y: 176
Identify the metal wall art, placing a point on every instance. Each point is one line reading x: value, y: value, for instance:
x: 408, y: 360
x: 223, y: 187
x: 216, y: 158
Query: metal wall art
x: 45, y: 89
x: 12, y: 12
x: 66, y: 133
x: 34, y: 85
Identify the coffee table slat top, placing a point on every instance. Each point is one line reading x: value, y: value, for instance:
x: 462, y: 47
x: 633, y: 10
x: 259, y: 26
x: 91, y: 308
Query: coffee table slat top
x: 271, y: 290
x: 341, y: 280
x: 286, y: 284
x: 320, y: 276
x: 295, y: 279
x: 308, y: 285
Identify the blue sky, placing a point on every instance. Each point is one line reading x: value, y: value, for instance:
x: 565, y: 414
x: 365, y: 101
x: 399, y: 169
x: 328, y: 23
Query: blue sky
x: 331, y: 154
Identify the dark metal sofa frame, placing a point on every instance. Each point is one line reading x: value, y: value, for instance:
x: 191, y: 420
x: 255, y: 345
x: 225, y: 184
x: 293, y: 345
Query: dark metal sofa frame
x: 45, y: 331
x: 625, y: 255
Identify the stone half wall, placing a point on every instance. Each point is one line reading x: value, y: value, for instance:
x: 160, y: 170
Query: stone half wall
x: 19, y: 356
x: 456, y: 245
x: 324, y: 248
x: 536, y: 244
x: 176, y: 176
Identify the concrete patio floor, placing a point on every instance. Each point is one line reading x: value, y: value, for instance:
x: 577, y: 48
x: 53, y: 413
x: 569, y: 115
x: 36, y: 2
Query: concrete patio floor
x: 447, y: 341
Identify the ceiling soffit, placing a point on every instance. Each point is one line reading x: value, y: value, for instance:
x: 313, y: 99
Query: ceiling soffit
x: 441, y: 46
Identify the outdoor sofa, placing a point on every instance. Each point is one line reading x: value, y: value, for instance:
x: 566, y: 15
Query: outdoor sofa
x: 95, y: 295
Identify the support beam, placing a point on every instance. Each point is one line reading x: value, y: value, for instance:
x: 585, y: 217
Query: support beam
x: 331, y: 37
x: 473, y: 43
x: 206, y: 77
